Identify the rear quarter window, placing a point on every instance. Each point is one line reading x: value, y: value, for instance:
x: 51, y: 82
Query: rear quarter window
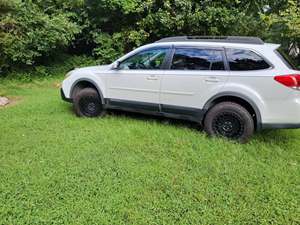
x: 289, y: 61
x: 245, y: 60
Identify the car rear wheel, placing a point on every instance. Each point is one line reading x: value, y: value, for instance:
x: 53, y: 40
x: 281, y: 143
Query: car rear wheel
x: 87, y: 103
x: 229, y: 120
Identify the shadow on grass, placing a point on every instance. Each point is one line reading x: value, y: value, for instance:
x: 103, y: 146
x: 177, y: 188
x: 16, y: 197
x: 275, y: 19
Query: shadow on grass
x: 280, y: 138
x: 154, y: 118
x: 145, y: 117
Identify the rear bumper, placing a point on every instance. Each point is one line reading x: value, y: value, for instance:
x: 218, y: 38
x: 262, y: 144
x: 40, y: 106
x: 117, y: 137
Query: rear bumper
x: 280, y: 126
x: 282, y: 113
x: 63, y: 97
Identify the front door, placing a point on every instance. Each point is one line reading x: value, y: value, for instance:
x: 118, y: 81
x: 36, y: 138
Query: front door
x: 136, y: 82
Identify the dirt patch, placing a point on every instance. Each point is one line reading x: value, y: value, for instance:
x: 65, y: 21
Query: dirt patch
x: 13, y: 100
x: 4, y: 101
x: 56, y: 84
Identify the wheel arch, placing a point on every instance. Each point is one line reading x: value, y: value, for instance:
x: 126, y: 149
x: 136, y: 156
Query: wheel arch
x: 240, y: 99
x: 84, y: 83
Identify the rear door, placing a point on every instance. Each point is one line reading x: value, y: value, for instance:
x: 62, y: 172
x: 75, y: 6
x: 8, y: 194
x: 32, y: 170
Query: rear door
x: 193, y: 76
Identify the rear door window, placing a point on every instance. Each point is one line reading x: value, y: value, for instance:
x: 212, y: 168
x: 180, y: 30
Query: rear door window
x: 245, y: 60
x: 197, y: 59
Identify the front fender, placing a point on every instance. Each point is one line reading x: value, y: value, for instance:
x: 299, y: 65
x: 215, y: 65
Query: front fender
x: 97, y: 80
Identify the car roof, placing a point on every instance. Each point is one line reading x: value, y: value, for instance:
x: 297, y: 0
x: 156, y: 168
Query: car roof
x: 203, y: 43
x: 216, y: 42
x: 215, y: 39
x: 265, y: 46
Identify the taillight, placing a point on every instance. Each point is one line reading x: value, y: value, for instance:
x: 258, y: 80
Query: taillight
x: 291, y: 81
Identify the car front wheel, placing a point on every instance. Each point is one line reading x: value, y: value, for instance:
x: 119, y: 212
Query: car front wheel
x: 87, y: 103
x: 229, y: 120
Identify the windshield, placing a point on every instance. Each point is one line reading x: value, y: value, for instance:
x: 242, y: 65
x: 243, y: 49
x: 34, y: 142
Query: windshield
x: 290, y: 61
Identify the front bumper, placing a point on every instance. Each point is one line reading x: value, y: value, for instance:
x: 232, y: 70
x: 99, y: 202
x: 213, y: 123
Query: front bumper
x: 62, y: 94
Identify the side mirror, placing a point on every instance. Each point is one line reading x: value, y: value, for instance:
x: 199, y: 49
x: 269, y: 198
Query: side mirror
x: 115, y: 65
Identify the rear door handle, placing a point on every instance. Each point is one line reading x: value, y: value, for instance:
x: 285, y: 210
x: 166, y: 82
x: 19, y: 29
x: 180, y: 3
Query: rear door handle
x: 152, y: 77
x: 212, y: 80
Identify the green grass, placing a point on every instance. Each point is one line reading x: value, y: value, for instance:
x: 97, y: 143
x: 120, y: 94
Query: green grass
x: 56, y: 168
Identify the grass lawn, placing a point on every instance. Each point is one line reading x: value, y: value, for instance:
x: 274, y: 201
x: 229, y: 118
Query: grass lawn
x: 56, y: 168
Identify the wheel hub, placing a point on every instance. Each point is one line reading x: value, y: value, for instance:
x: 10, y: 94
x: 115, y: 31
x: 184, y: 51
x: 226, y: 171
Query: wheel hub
x: 91, y: 106
x: 228, y: 125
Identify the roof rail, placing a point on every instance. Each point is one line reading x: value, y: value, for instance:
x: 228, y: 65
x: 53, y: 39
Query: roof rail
x: 224, y: 39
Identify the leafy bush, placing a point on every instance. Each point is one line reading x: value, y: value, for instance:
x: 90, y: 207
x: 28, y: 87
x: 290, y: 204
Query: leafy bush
x: 284, y: 27
x: 33, y: 30
x: 27, y: 33
x: 120, y: 25
x: 110, y: 47
x: 55, y: 67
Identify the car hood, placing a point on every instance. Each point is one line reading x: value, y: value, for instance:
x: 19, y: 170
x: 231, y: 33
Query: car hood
x: 92, y: 69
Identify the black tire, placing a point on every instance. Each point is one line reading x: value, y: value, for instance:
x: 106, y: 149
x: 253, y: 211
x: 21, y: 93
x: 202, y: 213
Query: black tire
x: 87, y: 103
x: 229, y: 120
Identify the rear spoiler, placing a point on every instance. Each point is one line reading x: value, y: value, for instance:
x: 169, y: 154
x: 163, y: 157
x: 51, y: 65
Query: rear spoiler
x: 273, y: 46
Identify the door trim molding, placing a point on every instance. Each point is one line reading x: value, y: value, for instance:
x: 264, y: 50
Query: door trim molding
x: 131, y: 105
x: 134, y: 89
x: 172, y: 111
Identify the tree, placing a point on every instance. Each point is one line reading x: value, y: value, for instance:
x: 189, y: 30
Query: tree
x: 27, y: 33
x: 32, y: 29
x: 284, y: 27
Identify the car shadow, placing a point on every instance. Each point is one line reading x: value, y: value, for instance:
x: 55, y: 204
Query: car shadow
x: 156, y: 118
x: 279, y: 138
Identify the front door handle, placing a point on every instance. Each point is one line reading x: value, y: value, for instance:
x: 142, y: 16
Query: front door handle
x: 152, y: 77
x: 212, y: 80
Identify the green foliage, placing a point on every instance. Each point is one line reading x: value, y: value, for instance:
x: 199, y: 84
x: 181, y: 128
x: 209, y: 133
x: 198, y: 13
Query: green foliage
x: 6, y: 6
x: 285, y: 26
x: 32, y: 30
x: 27, y: 33
x: 109, y: 46
x: 54, y: 67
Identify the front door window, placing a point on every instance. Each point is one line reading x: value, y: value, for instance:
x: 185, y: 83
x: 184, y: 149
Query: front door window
x: 146, y: 60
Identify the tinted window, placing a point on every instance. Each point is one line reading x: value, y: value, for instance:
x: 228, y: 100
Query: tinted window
x: 241, y: 60
x: 149, y: 59
x: 197, y: 59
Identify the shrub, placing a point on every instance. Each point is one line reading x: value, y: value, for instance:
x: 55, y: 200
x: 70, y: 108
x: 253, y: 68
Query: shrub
x: 31, y: 31
x: 55, y: 67
x: 27, y: 33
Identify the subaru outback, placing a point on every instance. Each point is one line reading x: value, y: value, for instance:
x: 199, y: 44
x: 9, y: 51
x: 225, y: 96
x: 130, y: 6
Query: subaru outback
x: 232, y: 86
